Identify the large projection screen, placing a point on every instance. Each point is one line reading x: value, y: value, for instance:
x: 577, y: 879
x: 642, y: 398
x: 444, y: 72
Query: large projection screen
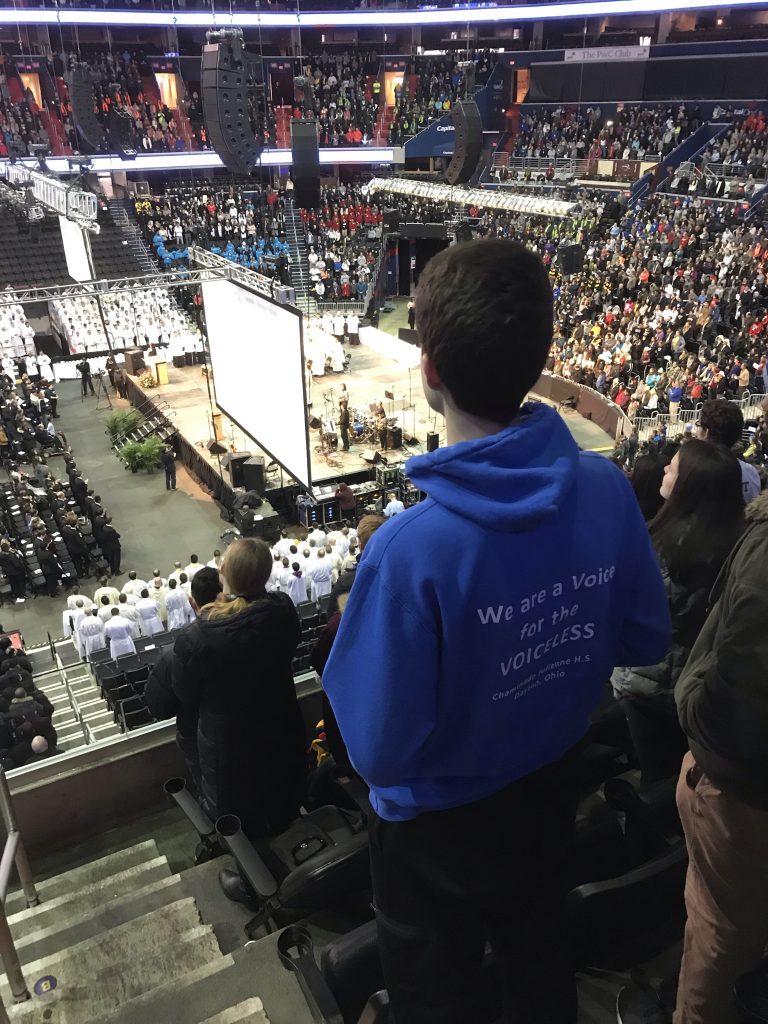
x: 74, y: 250
x: 257, y: 358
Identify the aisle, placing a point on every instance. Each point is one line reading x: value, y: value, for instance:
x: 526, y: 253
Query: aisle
x: 156, y: 526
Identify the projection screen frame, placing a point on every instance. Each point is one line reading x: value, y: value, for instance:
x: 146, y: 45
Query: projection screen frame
x: 294, y: 311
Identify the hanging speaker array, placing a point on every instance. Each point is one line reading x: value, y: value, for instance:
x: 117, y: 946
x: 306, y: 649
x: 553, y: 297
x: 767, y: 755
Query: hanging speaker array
x: 305, y: 157
x: 88, y: 126
x: 232, y: 89
x: 468, y: 142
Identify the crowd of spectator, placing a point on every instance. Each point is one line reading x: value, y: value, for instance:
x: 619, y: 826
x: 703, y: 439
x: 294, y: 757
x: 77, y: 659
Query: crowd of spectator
x: 27, y: 733
x: 743, y: 149
x: 245, y: 224
x: 634, y: 132
x: 20, y: 123
x: 439, y: 83
x: 345, y: 104
x: 670, y: 309
x: 344, y: 239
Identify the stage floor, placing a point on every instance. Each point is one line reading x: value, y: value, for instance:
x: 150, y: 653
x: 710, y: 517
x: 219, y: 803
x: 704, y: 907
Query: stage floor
x: 370, y: 374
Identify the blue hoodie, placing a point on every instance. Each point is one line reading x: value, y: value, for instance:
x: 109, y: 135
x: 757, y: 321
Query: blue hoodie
x: 484, y: 622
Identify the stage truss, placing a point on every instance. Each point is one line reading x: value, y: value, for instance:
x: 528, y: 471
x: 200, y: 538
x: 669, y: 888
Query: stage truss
x: 210, y: 267
x: 460, y: 195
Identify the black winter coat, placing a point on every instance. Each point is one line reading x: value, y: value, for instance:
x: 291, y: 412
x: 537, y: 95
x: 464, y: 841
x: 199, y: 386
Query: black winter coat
x: 251, y: 742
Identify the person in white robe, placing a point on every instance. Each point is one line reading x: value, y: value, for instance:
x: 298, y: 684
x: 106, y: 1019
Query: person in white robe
x: 215, y: 562
x: 119, y: 632
x: 177, y: 571
x: 133, y: 585
x: 177, y: 605
x: 91, y: 635
x: 158, y: 591
x: 105, y: 589
x: 104, y: 611
x: 128, y: 612
x: 273, y: 583
x: 296, y: 584
x: 195, y: 565
x: 149, y: 615
x: 321, y: 575
x: 77, y: 618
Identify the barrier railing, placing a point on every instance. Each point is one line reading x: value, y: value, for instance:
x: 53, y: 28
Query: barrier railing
x: 13, y: 852
x: 676, y: 423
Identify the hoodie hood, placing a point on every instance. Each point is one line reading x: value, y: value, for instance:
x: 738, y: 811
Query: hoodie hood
x: 509, y: 481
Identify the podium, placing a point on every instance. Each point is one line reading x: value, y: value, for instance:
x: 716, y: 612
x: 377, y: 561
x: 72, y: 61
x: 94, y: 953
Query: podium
x: 161, y: 371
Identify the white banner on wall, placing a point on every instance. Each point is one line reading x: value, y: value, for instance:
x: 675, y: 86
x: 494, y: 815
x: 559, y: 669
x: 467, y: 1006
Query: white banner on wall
x: 605, y: 53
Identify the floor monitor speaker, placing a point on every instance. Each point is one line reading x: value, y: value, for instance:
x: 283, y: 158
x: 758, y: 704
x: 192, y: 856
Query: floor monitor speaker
x: 81, y: 96
x: 215, y: 447
x: 305, y: 155
x: 229, y: 79
x: 467, y: 142
x: 233, y: 461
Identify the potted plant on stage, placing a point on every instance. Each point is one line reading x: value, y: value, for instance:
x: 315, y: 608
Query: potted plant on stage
x: 152, y: 450
x: 142, y: 454
x: 121, y: 423
x: 131, y: 455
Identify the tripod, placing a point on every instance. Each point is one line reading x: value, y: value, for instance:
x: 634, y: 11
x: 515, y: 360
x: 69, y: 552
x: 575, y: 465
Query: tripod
x: 102, y: 394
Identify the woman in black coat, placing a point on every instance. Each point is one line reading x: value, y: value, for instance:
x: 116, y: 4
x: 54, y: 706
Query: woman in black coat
x: 702, y: 518
x: 235, y: 674
x: 14, y: 569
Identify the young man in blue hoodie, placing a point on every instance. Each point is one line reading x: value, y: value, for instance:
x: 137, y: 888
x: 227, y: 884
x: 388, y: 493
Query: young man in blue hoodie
x: 480, y: 630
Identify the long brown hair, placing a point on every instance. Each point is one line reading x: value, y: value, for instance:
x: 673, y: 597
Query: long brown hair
x: 245, y: 567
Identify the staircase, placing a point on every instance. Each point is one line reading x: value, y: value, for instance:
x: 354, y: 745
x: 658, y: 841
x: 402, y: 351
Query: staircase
x: 297, y: 244
x: 124, y: 938
x: 383, y: 121
x: 121, y: 218
x: 283, y: 125
x: 55, y: 131
x: 185, y: 129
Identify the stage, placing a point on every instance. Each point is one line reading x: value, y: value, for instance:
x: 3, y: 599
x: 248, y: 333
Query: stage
x: 380, y: 363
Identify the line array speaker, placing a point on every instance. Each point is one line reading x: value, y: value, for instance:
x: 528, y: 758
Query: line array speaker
x: 433, y: 442
x: 468, y: 142
x: 305, y: 155
x: 87, y: 124
x: 570, y: 258
x: 227, y: 77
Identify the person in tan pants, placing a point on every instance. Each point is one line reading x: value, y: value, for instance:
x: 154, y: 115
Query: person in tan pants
x: 722, y: 795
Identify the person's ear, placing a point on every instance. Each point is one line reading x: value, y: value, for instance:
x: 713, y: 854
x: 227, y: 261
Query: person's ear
x: 429, y: 370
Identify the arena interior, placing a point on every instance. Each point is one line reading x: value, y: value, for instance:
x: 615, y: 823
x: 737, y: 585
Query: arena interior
x: 274, y: 298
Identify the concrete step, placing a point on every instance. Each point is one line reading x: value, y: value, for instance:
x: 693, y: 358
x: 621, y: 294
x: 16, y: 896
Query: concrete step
x: 122, y: 944
x: 88, y: 874
x: 90, y: 896
x: 82, y: 925
x: 88, y: 994
x: 251, y: 1011
x: 201, y: 995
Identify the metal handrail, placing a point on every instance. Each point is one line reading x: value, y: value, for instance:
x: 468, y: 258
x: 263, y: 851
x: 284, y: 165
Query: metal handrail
x: 14, y: 852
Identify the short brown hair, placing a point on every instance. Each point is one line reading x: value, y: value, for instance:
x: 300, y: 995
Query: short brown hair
x: 484, y: 317
x: 366, y: 528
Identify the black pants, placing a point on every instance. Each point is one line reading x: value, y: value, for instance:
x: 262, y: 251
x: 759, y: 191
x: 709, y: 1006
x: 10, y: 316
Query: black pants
x: 170, y: 477
x: 494, y: 870
x: 383, y: 440
x: 87, y: 383
x: 18, y: 585
x: 660, y: 743
x: 344, y: 431
x: 82, y: 565
x: 112, y: 556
